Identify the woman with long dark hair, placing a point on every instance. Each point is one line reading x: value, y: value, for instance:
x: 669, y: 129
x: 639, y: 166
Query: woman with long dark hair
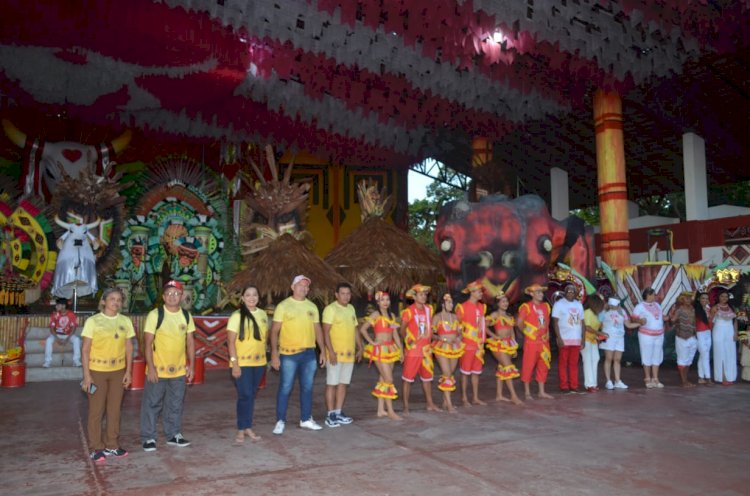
x: 247, y: 332
x: 384, y: 350
x: 447, y: 348
x: 703, y: 334
x: 725, y: 337
x: 501, y: 341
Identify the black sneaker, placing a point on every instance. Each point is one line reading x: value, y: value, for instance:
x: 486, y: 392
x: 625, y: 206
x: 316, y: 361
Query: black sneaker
x: 117, y: 452
x: 178, y: 440
x: 149, y: 445
x: 98, y: 456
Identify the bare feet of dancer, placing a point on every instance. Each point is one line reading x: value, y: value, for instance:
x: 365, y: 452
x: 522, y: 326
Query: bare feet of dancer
x: 432, y: 407
x: 477, y: 401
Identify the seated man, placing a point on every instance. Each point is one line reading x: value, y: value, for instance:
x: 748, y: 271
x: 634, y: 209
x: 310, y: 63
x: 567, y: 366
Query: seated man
x: 62, y: 327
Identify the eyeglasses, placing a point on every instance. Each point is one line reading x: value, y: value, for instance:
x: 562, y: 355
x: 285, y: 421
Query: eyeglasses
x: 172, y: 293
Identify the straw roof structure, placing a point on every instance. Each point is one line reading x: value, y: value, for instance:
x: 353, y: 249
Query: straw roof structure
x: 378, y: 255
x: 273, y: 269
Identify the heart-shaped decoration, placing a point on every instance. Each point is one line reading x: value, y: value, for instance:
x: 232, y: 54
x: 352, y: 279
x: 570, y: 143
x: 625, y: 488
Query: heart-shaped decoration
x: 72, y: 155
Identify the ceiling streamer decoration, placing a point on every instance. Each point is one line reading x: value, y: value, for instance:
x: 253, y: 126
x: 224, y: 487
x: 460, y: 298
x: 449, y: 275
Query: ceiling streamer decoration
x: 366, y: 81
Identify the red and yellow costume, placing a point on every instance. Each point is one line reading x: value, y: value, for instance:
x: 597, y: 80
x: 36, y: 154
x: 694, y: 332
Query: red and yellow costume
x: 471, y: 316
x: 385, y: 352
x: 536, y: 354
x: 417, y: 345
x: 504, y: 325
x: 446, y: 346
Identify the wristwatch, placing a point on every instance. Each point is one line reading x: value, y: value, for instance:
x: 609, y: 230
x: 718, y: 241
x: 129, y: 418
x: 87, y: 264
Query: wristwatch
x: 232, y: 359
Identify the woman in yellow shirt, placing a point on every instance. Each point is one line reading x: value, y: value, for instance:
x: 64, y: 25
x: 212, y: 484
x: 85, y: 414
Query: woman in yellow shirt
x: 107, y: 354
x: 247, y: 332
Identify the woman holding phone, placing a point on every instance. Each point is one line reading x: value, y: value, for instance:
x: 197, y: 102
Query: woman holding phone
x: 107, y: 359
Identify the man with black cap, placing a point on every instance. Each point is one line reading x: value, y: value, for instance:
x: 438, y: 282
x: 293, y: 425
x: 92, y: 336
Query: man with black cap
x: 168, y: 344
x: 567, y: 321
x: 62, y: 328
x: 295, y: 330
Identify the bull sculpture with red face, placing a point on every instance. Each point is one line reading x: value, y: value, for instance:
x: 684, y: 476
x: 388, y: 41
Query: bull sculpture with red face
x: 509, y: 244
x: 42, y: 159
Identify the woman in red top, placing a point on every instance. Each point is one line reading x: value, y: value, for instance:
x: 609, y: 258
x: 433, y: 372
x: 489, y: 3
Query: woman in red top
x: 384, y: 350
x: 447, y: 347
x: 502, y: 343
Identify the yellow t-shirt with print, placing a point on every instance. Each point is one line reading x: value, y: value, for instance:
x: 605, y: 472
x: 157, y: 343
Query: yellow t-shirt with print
x: 108, y: 335
x: 250, y: 352
x: 343, y: 321
x: 170, y: 358
x: 298, y: 319
x: 591, y: 320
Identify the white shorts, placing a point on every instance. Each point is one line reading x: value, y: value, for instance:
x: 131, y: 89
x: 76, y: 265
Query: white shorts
x: 341, y: 373
x: 613, y: 343
x: 686, y: 349
x: 652, y: 349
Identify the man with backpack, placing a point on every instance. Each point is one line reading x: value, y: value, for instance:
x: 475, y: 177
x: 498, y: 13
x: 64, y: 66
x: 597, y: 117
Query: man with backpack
x: 168, y: 341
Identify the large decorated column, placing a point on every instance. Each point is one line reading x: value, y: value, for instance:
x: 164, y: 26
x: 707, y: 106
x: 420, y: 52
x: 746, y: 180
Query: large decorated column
x: 613, y: 192
x: 481, y: 154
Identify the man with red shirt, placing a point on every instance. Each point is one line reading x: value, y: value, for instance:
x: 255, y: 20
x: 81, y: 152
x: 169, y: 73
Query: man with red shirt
x: 533, y: 320
x: 471, y: 315
x: 62, y: 328
x: 416, y: 332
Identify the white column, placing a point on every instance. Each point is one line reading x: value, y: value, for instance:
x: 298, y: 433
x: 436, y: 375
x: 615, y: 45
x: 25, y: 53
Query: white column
x: 694, y: 164
x: 559, y: 205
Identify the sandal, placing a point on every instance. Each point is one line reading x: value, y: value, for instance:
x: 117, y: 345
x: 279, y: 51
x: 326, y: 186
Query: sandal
x: 240, y: 437
x: 253, y: 436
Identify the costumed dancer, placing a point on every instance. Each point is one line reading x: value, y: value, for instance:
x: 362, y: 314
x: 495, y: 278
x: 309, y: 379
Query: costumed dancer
x: 416, y: 320
x: 590, y: 352
x: 474, y: 331
x: 703, y: 334
x: 384, y: 350
x: 567, y: 321
x: 502, y: 343
x: 683, y: 319
x: 107, y: 365
x: 447, y: 348
x: 724, y: 337
x: 247, y: 335
x: 650, y: 337
x: 533, y: 321
x: 614, y: 321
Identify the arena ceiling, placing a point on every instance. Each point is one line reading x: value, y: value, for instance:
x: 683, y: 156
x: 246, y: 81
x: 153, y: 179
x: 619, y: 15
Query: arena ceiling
x: 390, y: 82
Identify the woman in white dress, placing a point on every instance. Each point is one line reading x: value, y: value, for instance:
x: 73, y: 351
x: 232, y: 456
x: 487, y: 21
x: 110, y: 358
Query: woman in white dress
x: 724, y: 340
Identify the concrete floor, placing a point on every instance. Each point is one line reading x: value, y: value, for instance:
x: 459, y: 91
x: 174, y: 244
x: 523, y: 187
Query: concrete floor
x: 670, y: 441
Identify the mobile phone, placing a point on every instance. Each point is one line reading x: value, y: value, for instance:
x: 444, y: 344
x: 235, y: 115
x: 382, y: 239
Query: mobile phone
x: 92, y: 387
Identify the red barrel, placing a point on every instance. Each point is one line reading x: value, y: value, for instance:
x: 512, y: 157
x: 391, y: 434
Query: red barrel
x: 199, y: 376
x: 139, y: 374
x: 14, y: 375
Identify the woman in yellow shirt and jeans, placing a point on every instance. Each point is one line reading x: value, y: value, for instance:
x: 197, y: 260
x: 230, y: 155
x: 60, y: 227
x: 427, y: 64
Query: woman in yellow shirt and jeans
x: 247, y: 331
x: 107, y: 354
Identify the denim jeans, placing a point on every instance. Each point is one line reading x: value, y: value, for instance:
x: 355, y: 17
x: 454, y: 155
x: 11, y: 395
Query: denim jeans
x: 247, y: 388
x: 302, y: 365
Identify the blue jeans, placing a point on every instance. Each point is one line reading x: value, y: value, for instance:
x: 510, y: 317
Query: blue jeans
x: 302, y: 365
x: 247, y: 387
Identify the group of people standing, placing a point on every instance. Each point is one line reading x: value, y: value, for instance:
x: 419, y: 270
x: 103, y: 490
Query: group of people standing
x: 457, y: 336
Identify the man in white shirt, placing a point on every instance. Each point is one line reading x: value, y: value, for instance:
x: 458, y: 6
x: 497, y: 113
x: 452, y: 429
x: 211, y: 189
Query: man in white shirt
x: 567, y: 320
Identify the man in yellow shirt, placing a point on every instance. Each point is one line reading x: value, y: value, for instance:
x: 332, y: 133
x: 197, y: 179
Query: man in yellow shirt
x: 343, y: 344
x: 168, y: 334
x: 295, y: 330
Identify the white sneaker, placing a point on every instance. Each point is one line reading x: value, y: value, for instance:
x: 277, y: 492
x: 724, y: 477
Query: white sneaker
x: 310, y: 424
x: 609, y: 385
x: 279, y: 428
x: 620, y: 385
x: 46, y: 365
x: 77, y: 364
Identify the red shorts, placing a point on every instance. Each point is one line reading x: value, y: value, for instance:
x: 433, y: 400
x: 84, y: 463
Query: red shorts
x: 414, y: 364
x: 471, y: 362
